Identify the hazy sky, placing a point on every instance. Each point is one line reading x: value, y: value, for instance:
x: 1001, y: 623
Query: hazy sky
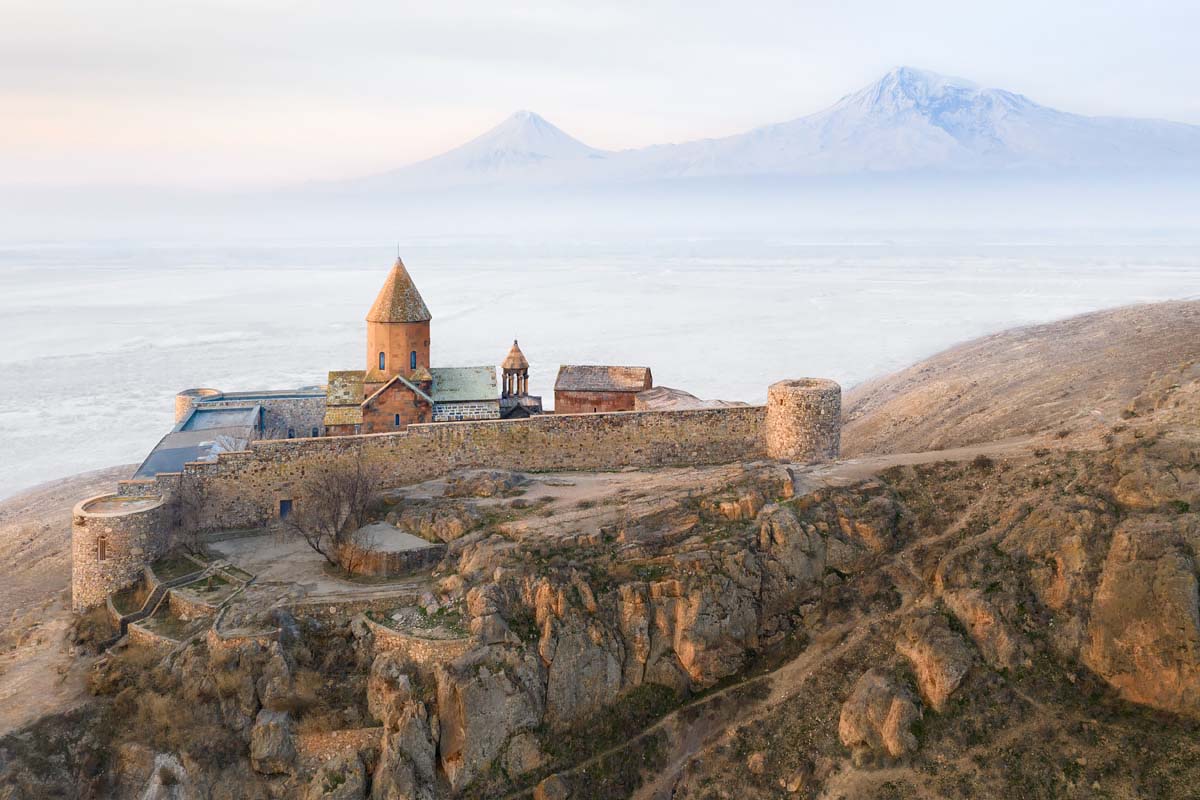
x: 263, y: 91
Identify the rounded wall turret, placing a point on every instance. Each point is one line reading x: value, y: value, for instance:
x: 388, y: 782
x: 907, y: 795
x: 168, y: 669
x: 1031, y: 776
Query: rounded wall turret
x: 186, y: 400
x: 112, y: 539
x: 804, y: 420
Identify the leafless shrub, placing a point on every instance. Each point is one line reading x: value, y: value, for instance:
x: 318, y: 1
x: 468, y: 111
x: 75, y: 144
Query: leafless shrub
x: 92, y: 628
x: 333, y: 503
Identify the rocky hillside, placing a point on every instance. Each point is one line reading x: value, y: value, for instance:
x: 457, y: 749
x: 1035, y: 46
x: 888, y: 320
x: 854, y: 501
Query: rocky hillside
x: 1024, y: 627
x: 1075, y: 376
x: 37, y: 673
x: 1019, y: 624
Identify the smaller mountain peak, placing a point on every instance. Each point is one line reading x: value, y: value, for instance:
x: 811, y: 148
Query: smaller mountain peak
x: 526, y: 116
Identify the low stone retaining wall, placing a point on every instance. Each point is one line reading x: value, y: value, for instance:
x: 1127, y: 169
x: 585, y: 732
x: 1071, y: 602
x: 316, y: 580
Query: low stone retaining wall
x: 188, y: 608
x: 340, y: 610
x: 421, y: 651
x: 140, y: 635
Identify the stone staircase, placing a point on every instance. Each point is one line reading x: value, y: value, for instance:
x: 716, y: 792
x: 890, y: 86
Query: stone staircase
x: 161, y: 590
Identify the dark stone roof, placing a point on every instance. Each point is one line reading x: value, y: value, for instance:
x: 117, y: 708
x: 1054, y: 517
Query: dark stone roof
x: 399, y: 300
x: 179, y: 447
x: 592, y: 378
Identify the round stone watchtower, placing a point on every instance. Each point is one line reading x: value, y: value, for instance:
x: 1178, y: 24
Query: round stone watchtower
x: 186, y: 400
x: 804, y: 420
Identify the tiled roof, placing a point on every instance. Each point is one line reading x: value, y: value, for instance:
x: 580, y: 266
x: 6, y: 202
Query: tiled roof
x: 343, y: 415
x: 591, y: 378
x: 399, y: 300
x: 345, y: 388
x: 463, y: 384
x: 515, y: 358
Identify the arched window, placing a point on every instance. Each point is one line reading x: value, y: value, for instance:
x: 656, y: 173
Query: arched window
x: 397, y: 420
x: 382, y: 361
x: 412, y: 360
x: 101, y: 548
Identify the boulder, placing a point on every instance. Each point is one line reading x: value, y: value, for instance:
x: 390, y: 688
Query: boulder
x: 389, y: 688
x: 1144, y: 631
x: 484, y: 483
x: 442, y: 522
x: 939, y: 657
x: 272, y: 743
x: 407, y: 760
x: 710, y: 618
x: 523, y: 753
x: 552, y: 788
x: 877, y: 717
x: 1064, y: 542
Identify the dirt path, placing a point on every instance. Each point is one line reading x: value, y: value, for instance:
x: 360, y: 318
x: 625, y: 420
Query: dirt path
x: 790, y: 679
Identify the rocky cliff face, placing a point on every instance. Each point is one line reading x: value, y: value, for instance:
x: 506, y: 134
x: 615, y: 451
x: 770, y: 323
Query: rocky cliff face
x: 1026, y: 626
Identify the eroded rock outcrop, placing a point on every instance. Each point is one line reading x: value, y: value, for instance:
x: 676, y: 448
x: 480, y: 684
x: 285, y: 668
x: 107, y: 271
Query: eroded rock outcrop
x: 272, y: 742
x: 483, y: 699
x: 877, y: 718
x: 939, y: 657
x: 1144, y: 632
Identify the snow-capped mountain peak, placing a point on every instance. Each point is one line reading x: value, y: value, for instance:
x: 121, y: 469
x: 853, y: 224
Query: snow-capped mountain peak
x: 908, y: 120
x: 523, y: 140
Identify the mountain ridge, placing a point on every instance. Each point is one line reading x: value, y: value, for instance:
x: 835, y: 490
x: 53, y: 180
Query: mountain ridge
x: 909, y: 120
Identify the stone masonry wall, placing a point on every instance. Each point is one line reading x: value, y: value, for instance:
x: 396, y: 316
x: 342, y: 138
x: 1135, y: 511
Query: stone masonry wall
x: 245, y: 488
x: 457, y: 412
x: 302, y: 415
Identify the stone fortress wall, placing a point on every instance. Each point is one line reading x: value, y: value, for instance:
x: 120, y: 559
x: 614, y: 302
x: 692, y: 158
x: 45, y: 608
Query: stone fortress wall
x: 244, y: 489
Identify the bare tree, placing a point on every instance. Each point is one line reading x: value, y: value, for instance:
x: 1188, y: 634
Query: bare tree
x: 187, y: 512
x: 333, y: 503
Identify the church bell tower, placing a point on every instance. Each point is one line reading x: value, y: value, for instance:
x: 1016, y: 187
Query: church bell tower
x: 397, y: 331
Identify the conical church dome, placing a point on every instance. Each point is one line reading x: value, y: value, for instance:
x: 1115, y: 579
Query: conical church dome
x: 515, y: 358
x: 399, y: 300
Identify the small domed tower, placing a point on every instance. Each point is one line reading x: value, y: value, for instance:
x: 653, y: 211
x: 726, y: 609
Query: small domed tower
x: 397, y: 330
x: 516, y: 373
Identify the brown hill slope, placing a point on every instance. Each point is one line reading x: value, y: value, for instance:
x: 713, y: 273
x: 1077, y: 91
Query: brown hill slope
x: 1077, y: 374
x: 38, y: 675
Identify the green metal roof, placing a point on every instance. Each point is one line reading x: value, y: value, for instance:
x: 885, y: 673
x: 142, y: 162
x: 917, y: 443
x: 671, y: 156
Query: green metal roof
x: 464, y: 384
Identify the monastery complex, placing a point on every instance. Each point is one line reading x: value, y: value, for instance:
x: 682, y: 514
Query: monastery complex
x: 247, y: 453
